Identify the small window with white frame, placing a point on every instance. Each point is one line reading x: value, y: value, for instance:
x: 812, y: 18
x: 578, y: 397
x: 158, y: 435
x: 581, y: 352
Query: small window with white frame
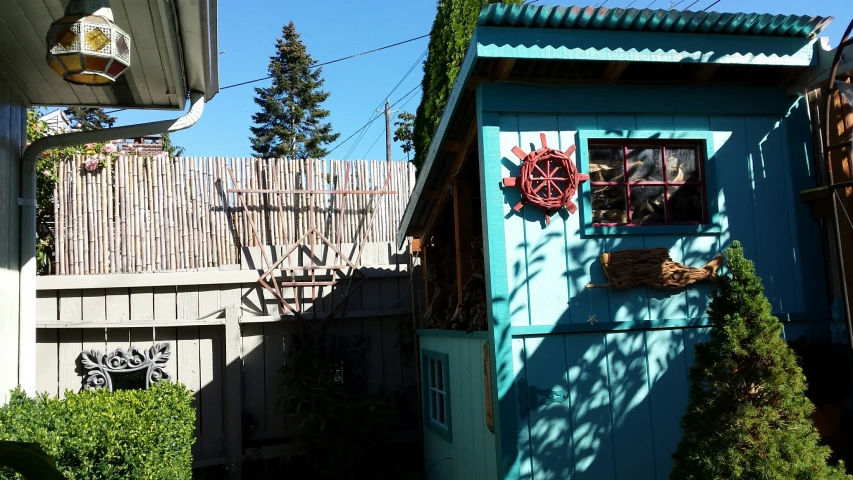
x: 437, y: 392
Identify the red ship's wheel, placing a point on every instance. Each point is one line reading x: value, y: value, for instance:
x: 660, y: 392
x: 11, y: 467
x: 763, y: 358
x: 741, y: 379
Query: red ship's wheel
x: 548, y: 179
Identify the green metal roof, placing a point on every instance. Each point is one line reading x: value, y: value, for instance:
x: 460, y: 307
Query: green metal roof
x: 647, y: 20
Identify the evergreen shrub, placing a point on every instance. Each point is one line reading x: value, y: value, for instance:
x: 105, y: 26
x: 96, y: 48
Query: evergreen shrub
x: 748, y: 415
x: 99, y: 435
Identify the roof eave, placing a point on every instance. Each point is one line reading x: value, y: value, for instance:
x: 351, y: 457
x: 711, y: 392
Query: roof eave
x: 441, y: 132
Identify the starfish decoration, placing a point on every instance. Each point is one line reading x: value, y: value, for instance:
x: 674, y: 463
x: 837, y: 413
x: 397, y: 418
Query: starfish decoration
x: 592, y: 320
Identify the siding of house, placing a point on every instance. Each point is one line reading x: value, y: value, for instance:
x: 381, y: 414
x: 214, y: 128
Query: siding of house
x: 471, y: 451
x: 13, y: 115
x: 623, y: 376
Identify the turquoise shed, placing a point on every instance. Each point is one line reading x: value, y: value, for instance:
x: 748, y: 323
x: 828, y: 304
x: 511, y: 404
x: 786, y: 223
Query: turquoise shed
x: 678, y: 130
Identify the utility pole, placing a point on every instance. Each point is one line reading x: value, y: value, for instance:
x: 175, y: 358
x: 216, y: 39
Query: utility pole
x: 388, y: 113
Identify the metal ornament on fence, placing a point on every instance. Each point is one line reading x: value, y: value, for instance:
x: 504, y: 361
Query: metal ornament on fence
x: 98, y: 367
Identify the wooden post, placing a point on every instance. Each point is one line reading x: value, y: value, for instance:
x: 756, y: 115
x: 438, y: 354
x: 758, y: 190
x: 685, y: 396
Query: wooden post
x: 233, y: 389
x: 463, y: 233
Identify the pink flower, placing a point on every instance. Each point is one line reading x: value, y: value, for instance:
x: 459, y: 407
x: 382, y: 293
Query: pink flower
x: 46, y: 173
x: 91, y: 164
x: 108, y: 148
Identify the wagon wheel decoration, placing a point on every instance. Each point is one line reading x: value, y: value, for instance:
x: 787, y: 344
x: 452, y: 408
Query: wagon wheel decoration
x: 548, y: 179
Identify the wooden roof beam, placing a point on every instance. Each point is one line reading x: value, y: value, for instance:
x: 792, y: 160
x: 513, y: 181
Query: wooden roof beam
x: 613, y: 71
x: 703, y: 73
x: 503, y: 68
x: 444, y: 193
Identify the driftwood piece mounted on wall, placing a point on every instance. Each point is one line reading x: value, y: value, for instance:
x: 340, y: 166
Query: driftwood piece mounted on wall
x: 652, y: 267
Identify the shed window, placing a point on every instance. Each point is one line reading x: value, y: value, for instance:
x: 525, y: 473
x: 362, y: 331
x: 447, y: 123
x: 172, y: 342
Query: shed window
x: 664, y: 185
x: 437, y: 392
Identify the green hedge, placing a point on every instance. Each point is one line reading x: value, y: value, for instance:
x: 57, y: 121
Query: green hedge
x: 138, y: 434
x: 448, y: 41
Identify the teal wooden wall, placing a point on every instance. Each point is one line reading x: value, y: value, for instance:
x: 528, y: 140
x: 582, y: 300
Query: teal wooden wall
x: 627, y: 392
x: 471, y: 453
x: 626, y: 374
x: 758, y: 199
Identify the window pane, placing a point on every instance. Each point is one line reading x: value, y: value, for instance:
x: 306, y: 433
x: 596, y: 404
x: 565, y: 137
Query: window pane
x: 608, y: 204
x: 685, y: 203
x: 433, y: 413
x: 431, y: 372
x: 644, y: 164
x: 606, y: 163
x: 647, y: 205
x: 440, y: 400
x: 682, y: 164
x: 439, y: 374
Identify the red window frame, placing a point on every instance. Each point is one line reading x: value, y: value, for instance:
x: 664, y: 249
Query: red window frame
x: 627, y: 143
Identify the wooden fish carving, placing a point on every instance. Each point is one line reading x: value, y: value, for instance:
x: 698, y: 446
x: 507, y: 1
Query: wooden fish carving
x: 652, y: 267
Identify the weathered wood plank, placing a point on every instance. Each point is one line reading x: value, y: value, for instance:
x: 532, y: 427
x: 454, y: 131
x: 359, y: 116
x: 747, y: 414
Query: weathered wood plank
x: 71, y: 306
x: 47, y: 306
x: 70, y: 346
x: 47, y: 361
x: 254, y: 402
x: 276, y: 424
x: 210, y: 367
x: 188, y: 373
x: 118, y: 305
x: 94, y: 306
x: 165, y: 302
x: 142, y: 303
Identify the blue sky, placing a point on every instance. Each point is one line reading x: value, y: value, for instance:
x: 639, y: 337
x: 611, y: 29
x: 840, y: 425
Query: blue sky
x: 336, y: 28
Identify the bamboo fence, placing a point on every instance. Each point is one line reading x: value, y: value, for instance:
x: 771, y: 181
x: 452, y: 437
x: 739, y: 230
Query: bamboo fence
x: 159, y: 214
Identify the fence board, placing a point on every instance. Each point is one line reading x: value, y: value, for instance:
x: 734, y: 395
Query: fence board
x: 70, y: 346
x: 188, y: 373
x: 210, y: 369
x: 47, y: 361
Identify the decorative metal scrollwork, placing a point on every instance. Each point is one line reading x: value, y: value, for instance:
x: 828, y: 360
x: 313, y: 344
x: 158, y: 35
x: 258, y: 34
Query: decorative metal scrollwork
x: 152, y: 361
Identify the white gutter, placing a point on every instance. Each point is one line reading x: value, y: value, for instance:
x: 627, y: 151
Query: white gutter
x: 27, y: 202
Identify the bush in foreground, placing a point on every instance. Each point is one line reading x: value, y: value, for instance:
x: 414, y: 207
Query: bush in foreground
x: 139, y: 434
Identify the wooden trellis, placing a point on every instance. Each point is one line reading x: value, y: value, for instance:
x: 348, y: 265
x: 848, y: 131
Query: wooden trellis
x: 313, y: 236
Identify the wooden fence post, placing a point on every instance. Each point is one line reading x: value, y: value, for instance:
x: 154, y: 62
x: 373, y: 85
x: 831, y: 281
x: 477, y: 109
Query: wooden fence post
x: 233, y: 389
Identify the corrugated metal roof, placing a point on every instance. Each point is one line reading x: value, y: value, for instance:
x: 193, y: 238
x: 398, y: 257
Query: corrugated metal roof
x: 647, y: 20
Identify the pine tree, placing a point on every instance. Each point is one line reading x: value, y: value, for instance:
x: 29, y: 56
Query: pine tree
x: 748, y: 416
x: 83, y: 118
x: 289, y: 123
x: 403, y: 132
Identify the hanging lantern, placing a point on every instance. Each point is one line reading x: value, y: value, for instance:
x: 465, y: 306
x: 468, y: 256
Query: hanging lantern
x: 86, y: 47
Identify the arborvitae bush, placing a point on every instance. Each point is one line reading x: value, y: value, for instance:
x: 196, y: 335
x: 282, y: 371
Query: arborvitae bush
x: 99, y: 435
x: 448, y: 41
x: 748, y: 416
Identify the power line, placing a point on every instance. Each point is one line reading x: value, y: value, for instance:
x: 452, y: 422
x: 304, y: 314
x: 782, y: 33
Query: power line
x: 374, y: 113
x: 694, y: 3
x: 317, y: 65
x: 331, y: 61
x: 368, y: 123
x: 711, y: 5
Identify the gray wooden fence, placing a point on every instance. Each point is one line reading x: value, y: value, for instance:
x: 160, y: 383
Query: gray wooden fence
x: 227, y: 339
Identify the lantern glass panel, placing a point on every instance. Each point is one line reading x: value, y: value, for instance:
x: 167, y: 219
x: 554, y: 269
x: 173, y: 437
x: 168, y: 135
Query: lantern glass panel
x: 56, y: 66
x: 116, y: 68
x: 88, y: 79
x: 72, y: 62
x: 96, y: 63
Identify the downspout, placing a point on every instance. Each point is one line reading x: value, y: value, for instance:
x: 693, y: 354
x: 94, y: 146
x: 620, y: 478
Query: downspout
x: 27, y: 202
